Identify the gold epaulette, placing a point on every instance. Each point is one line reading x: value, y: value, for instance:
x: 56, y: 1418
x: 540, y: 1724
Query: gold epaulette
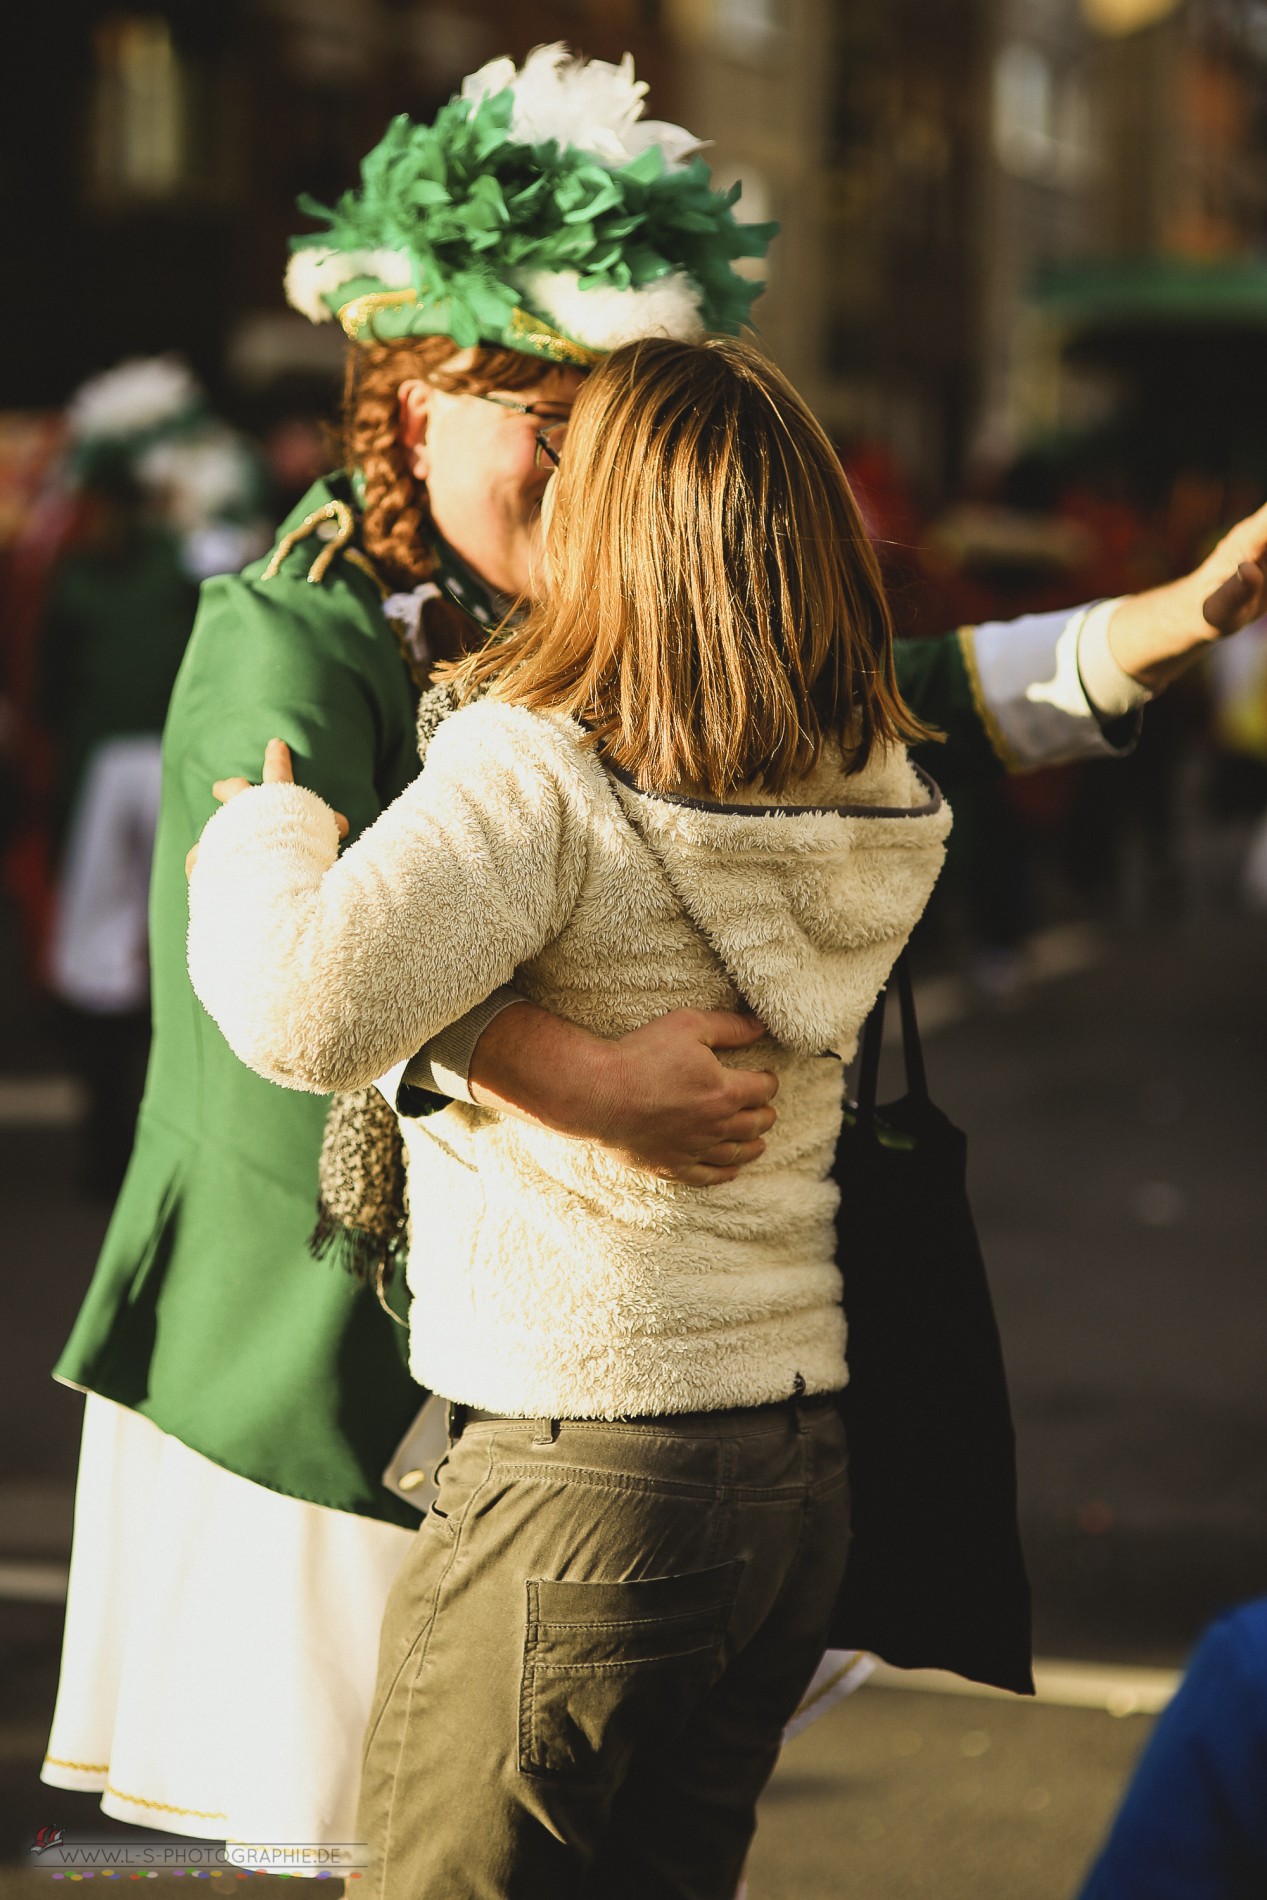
x: 334, y: 526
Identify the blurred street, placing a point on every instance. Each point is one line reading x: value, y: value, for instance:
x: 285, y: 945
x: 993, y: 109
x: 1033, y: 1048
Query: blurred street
x: 1117, y: 1128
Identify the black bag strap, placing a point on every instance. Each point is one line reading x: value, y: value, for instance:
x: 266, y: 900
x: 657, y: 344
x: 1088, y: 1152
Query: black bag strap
x: 873, y: 1039
x: 869, y: 1073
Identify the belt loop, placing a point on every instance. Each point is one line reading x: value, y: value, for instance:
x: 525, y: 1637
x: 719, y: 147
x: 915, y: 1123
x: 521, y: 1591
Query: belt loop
x: 794, y: 1401
x: 547, y: 1431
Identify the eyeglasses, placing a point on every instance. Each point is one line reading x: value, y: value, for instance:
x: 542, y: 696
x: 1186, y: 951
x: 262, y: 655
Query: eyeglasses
x: 554, y: 418
x: 546, y: 439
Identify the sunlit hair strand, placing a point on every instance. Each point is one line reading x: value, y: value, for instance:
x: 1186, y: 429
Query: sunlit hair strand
x: 715, y: 612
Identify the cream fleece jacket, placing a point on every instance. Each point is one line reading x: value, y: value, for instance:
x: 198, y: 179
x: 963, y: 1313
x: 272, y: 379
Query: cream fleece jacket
x: 548, y: 1278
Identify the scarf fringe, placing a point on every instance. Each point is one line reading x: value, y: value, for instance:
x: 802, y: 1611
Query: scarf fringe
x: 370, y: 1258
x: 363, y: 1198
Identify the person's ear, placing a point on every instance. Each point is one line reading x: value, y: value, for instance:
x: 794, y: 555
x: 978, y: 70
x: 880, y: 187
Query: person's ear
x: 414, y: 398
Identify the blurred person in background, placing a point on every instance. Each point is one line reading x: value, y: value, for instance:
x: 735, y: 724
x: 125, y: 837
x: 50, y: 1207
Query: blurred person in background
x: 1002, y: 554
x: 291, y: 418
x: 1123, y: 834
x: 204, y: 481
x: 232, y: 1523
x: 118, y: 614
x: 163, y: 495
x: 36, y: 519
x: 1193, y: 1822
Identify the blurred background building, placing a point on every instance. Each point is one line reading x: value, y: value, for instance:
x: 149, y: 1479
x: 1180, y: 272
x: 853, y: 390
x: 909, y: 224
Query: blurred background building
x: 994, y: 211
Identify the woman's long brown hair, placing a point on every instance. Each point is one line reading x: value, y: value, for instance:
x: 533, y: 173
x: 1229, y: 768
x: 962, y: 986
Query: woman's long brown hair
x: 715, y: 612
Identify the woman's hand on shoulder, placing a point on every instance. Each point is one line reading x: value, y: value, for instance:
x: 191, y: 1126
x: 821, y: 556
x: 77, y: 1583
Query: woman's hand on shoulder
x: 278, y: 770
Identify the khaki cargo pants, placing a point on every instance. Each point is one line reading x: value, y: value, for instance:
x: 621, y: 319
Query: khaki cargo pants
x: 591, y: 1652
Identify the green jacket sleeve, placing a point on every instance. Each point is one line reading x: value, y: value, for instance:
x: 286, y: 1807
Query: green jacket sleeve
x: 281, y: 659
x: 934, y: 680
x: 1010, y: 694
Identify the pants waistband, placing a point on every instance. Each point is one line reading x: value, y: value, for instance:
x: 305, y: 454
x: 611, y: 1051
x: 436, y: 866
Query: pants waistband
x: 721, y: 1422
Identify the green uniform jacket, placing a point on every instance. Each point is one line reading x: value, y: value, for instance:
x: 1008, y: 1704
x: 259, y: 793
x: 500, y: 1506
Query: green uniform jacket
x: 207, y: 1313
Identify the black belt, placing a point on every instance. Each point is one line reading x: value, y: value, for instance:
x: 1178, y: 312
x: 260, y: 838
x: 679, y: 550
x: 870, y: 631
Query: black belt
x: 460, y: 1415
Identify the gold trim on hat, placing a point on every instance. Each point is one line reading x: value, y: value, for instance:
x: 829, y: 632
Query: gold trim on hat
x: 356, y: 315
x: 523, y: 330
x: 542, y: 337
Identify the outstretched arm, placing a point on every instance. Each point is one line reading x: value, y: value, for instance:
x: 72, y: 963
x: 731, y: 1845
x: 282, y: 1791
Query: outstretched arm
x: 1156, y: 635
x: 1051, y: 687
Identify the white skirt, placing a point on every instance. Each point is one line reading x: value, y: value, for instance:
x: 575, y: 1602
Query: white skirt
x: 221, y: 1645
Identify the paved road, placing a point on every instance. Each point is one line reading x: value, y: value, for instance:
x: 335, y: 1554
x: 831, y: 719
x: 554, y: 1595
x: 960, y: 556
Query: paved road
x: 1118, y: 1140
x: 892, y: 1796
x: 1119, y: 1132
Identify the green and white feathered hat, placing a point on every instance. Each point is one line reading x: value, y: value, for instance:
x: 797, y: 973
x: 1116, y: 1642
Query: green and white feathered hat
x: 540, y: 212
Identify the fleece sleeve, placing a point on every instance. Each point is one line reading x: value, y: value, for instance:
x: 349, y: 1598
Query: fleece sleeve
x: 324, y: 971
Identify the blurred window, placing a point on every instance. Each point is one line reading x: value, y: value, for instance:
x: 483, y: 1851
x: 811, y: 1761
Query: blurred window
x: 1023, y: 110
x: 139, y: 144
x: 746, y: 28
x: 1043, y: 127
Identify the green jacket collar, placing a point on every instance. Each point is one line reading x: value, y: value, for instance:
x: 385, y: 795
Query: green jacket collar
x: 466, y: 589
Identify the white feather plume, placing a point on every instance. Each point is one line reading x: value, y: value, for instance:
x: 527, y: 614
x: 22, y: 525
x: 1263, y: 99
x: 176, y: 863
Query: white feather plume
x: 590, y: 105
x: 312, y: 272
x: 604, y: 319
x: 134, y: 396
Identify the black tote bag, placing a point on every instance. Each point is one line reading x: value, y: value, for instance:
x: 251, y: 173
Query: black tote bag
x: 935, y: 1576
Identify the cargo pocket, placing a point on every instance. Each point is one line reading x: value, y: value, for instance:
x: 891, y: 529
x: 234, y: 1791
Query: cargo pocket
x: 608, y: 1664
